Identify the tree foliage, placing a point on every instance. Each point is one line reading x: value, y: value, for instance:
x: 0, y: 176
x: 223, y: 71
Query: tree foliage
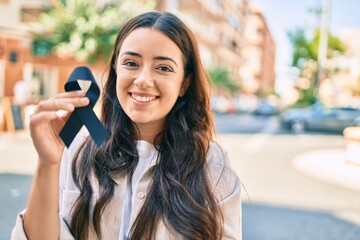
x: 305, y: 57
x: 305, y: 48
x: 86, y: 29
x: 220, y: 78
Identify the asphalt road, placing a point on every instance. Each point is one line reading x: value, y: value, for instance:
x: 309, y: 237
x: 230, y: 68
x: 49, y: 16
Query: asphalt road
x: 248, y: 123
x: 242, y: 123
x: 263, y: 222
x: 14, y: 191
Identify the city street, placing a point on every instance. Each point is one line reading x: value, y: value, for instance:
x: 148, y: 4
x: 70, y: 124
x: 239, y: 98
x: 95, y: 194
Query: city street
x: 279, y: 201
x: 274, y: 71
x: 250, y: 124
x: 244, y: 123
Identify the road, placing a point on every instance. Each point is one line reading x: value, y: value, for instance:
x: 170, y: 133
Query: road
x: 244, y: 123
x: 279, y: 202
x: 250, y: 124
x: 14, y: 189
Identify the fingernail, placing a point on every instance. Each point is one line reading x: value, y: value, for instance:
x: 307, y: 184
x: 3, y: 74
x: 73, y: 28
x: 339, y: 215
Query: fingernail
x: 84, y: 99
x: 80, y: 92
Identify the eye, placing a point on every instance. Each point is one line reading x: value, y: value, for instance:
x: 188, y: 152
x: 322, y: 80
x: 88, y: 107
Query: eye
x: 164, y: 68
x: 129, y: 63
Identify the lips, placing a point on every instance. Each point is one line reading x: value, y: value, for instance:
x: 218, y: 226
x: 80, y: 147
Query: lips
x: 143, y: 98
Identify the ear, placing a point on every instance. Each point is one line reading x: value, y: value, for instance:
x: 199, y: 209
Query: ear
x: 185, y: 86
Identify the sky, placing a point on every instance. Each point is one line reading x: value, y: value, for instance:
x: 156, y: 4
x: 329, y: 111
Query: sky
x: 285, y: 15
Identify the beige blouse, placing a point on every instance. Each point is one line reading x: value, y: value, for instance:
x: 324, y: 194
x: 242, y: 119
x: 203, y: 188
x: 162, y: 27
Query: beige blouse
x: 129, y: 196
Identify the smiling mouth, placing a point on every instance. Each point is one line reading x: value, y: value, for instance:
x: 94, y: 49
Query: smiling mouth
x: 143, y: 98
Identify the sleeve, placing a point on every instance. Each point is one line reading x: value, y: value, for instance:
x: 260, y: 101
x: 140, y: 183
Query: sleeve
x: 227, y: 190
x: 18, y: 232
x: 232, y: 213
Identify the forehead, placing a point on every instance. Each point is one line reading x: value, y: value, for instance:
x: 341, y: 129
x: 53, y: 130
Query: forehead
x: 150, y: 41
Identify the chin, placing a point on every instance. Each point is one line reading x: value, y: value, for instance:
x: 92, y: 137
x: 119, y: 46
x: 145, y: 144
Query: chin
x: 147, y: 121
x: 140, y: 119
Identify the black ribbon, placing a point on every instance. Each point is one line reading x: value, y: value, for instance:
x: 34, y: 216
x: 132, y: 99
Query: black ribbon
x: 83, y: 115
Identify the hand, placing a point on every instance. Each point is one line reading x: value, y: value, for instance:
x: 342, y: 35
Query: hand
x: 45, y: 124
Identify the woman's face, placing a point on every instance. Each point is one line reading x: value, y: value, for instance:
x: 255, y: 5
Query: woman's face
x: 150, y: 73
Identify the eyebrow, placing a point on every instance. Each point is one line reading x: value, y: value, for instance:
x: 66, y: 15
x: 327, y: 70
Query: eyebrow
x: 156, y: 57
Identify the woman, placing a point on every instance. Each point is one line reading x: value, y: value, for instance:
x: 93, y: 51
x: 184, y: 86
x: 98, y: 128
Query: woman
x: 159, y: 175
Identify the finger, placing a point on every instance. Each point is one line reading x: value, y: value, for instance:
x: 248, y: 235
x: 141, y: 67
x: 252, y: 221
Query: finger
x: 59, y: 123
x: 53, y: 105
x: 66, y: 104
x: 79, y: 93
x: 63, y: 114
x: 41, y: 117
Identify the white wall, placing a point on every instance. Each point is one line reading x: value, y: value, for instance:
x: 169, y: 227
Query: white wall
x: 2, y: 77
x: 9, y: 13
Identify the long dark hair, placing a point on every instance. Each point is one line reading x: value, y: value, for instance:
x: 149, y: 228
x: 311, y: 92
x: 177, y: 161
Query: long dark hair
x: 179, y: 193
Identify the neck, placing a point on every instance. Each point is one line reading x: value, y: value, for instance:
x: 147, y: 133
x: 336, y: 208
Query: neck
x: 148, y: 132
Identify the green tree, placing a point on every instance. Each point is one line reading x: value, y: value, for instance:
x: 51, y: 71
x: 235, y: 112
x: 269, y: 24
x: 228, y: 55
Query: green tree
x: 305, y: 48
x: 84, y: 29
x: 304, y: 58
x: 220, y: 78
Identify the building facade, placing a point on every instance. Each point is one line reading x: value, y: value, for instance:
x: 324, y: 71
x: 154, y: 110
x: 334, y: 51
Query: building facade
x: 342, y: 87
x: 258, y: 70
x: 219, y: 28
x: 43, y: 75
x: 224, y: 29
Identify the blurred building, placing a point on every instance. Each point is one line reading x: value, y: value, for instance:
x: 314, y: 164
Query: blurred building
x: 258, y: 70
x: 44, y: 76
x: 343, y: 86
x: 219, y: 28
x: 231, y: 34
x: 351, y: 37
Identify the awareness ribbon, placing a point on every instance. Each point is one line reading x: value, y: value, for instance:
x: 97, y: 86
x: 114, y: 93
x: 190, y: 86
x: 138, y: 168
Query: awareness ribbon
x: 83, y: 115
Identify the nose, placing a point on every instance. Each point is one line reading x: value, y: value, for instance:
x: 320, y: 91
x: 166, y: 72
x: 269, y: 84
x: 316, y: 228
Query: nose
x: 144, y: 79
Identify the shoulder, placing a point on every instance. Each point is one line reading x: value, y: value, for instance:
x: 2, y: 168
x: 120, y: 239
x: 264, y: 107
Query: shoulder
x: 217, y: 158
x: 216, y: 154
x: 222, y: 177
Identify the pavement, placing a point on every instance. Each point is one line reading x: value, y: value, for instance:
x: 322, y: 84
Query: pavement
x: 329, y: 165
x: 18, y: 155
x: 280, y: 205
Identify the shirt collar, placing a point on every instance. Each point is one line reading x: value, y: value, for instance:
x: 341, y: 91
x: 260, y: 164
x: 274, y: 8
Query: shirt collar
x: 147, y: 152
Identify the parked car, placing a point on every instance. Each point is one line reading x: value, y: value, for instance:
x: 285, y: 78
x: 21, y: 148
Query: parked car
x: 319, y: 117
x: 264, y: 108
x: 356, y: 122
x: 222, y: 105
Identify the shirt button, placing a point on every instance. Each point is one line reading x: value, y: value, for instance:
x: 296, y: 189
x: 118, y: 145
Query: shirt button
x: 141, y: 195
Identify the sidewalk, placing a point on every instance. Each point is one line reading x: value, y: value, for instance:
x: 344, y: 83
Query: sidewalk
x: 329, y: 165
x: 17, y: 154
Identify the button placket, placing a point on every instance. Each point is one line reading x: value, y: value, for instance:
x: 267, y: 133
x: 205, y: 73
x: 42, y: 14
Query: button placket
x: 140, y: 195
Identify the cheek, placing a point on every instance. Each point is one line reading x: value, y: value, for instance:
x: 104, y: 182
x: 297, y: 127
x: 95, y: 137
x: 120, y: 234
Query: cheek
x: 126, y: 74
x: 120, y: 88
x: 123, y: 81
x: 177, y: 92
x: 171, y: 86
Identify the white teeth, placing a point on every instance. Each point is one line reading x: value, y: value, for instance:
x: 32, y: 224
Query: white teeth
x: 142, y: 99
